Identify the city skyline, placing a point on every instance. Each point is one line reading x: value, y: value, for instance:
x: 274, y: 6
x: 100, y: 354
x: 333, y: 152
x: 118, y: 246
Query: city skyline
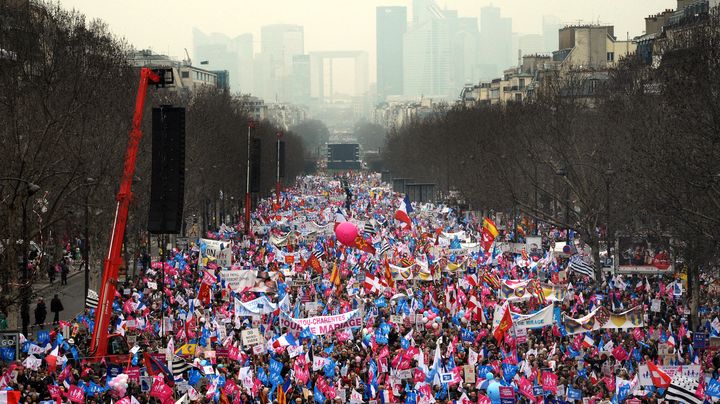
x: 326, y: 25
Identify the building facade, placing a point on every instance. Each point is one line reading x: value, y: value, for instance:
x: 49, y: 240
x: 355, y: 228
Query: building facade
x: 390, y: 27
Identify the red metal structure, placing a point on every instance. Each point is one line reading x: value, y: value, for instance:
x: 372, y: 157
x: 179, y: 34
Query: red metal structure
x: 111, y: 265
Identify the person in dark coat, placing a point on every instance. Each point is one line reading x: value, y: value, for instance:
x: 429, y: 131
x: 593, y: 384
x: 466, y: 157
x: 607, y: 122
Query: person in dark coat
x: 56, y: 307
x: 40, y: 312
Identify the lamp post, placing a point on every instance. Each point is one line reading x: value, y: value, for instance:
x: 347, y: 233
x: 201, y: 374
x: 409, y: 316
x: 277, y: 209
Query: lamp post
x: 563, y: 173
x: 277, y: 184
x: 86, y: 245
x: 607, y: 176
x: 25, y: 289
x: 248, y: 199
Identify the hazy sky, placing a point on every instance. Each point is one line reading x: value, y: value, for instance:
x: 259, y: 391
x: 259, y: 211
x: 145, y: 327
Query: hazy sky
x: 165, y: 26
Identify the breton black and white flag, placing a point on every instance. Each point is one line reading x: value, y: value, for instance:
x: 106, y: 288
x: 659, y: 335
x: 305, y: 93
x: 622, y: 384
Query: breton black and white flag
x: 369, y: 229
x: 682, y: 389
x: 385, y: 247
x: 178, y: 366
x: 579, y: 265
x: 92, y: 299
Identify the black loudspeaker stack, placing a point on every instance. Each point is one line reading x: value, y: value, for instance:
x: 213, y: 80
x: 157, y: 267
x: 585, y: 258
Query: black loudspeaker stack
x: 167, y: 192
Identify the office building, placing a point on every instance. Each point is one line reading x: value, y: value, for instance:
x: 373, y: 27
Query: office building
x: 220, y: 52
x: 427, y: 50
x: 495, y: 49
x: 390, y: 26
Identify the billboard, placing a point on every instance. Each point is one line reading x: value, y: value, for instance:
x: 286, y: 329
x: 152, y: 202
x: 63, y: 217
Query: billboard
x: 343, y: 152
x: 643, y: 254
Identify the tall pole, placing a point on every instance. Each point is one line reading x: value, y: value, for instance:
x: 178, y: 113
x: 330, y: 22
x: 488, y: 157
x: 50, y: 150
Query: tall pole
x: 607, y: 224
x: 25, y: 289
x: 277, y: 183
x: 86, y: 245
x: 248, y: 199
x: 536, y: 201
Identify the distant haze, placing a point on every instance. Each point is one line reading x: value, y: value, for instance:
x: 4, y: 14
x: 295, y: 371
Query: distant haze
x: 166, y: 26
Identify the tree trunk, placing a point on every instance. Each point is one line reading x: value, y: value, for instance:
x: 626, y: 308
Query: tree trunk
x: 595, y: 246
x: 694, y: 291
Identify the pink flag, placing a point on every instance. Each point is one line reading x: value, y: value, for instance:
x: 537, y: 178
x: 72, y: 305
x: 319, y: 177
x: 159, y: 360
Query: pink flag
x: 76, y: 394
x: 526, y: 388
x: 549, y: 382
x: 160, y: 390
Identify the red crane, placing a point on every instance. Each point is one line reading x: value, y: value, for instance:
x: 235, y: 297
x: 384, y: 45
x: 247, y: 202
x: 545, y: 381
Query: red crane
x: 111, y: 265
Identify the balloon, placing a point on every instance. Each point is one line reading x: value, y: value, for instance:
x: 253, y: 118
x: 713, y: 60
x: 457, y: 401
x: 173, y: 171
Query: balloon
x: 346, y: 233
x: 435, y: 325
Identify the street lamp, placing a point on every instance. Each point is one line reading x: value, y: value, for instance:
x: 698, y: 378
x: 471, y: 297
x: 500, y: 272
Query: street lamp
x: 607, y: 176
x: 277, y: 184
x: 25, y: 289
x: 86, y: 246
x: 563, y: 173
x: 248, y: 200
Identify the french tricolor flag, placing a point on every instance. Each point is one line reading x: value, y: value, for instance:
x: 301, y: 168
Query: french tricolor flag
x: 403, y: 212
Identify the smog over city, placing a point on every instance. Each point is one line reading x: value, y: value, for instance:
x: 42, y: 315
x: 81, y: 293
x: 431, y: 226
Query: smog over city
x: 363, y: 201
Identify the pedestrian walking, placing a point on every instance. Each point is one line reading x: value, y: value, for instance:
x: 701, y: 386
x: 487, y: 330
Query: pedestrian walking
x: 51, y: 271
x: 40, y: 312
x: 56, y: 307
x: 63, y: 272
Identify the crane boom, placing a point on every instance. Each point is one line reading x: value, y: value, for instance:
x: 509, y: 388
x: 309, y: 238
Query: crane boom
x: 111, y: 265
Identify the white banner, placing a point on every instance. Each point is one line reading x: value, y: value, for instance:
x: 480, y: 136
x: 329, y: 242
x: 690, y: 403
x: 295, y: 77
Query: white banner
x: 692, y: 372
x: 514, y: 290
x: 220, y: 250
x: 238, y: 279
x: 539, y: 319
x: 322, y: 325
x: 261, y: 305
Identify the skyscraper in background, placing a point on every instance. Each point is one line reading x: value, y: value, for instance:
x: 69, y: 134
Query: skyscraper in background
x: 224, y: 53
x: 495, y: 43
x: 390, y: 26
x: 274, y: 64
x: 427, y: 50
x: 550, y: 28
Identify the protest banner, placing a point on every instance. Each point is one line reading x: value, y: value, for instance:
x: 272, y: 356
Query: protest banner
x: 321, y: 325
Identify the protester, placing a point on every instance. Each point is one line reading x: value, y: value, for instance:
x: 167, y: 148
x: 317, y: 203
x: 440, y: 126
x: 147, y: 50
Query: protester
x: 345, y: 292
x: 40, y: 311
x: 56, y: 307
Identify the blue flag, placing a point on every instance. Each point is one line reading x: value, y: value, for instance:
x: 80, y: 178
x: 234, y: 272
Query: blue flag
x: 318, y: 396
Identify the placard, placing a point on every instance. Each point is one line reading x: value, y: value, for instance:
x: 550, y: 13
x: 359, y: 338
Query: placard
x: 665, y: 349
x: 251, y: 337
x: 507, y: 395
x: 470, y: 376
x: 700, y: 340
x: 258, y: 349
x: 655, y: 305
x: 521, y: 335
x: 145, y: 383
x: 405, y: 374
x: 396, y: 319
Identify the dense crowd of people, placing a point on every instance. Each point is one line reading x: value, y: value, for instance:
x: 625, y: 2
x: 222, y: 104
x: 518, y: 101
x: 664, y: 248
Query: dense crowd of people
x: 346, y: 292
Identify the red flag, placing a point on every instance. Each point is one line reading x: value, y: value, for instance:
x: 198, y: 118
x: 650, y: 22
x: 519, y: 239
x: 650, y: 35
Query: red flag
x: 489, y: 232
x: 388, y: 276
x: 505, y: 324
x: 373, y: 284
x: 659, y: 378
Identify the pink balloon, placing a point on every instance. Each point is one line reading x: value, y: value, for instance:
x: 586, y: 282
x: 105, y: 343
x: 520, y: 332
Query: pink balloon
x: 346, y: 233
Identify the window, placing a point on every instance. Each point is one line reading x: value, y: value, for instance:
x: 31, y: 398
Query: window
x: 185, y: 75
x: 522, y: 83
x: 611, y: 56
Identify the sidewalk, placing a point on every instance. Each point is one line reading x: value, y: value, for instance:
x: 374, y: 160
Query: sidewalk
x: 44, y: 284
